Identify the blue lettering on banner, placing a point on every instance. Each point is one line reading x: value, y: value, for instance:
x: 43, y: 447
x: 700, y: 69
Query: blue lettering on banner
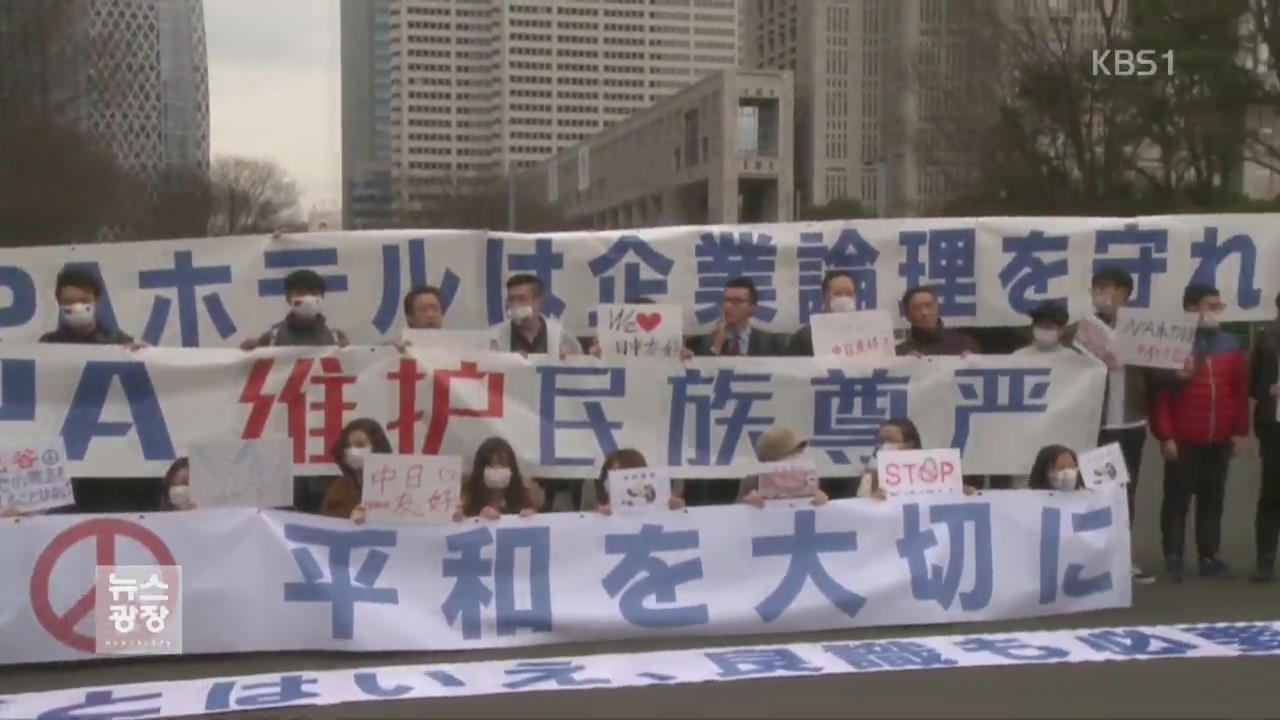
x: 542, y: 263
x: 1027, y: 272
x: 634, y: 287
x: 296, y: 258
x: 184, y: 278
x: 367, y: 683
x: 1074, y: 585
x: 1211, y: 256
x: 601, y: 427
x: 22, y: 308
x: 286, y: 690
x: 343, y: 591
x: 84, y: 419
x: 734, y: 423
x: 17, y: 390
x: 653, y: 577
x: 847, y: 412
x: 723, y: 256
x: 104, y: 699
x: 888, y: 654
x: 657, y: 677
x: 804, y: 550
x: 470, y: 569
x: 755, y: 662
x: 103, y: 311
x: 1135, y: 643
x: 849, y: 253
x: 1011, y: 648
x: 1251, y: 638
x: 389, y: 308
x: 930, y: 581
x: 1151, y: 247
x: 560, y: 673
x: 950, y: 268
x: 981, y: 394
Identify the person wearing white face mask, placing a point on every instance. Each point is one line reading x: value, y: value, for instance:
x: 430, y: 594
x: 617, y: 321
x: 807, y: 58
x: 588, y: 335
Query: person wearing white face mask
x: 1048, y: 322
x: 839, y: 294
x: 495, y: 486
x: 176, y: 488
x: 77, y: 292
x: 1055, y: 468
x: 895, y: 434
x: 355, y: 443
x: 305, y: 325
x: 526, y: 330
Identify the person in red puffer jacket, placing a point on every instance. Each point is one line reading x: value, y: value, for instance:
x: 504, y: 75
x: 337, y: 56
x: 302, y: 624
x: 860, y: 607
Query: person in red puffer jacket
x: 1201, y: 423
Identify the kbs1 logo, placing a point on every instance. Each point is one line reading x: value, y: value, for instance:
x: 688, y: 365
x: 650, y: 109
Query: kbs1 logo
x: 1132, y: 63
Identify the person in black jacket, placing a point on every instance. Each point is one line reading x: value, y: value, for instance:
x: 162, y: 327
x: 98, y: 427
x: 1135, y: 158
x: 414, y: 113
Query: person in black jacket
x: 1264, y: 386
x: 734, y: 335
x: 77, y: 292
x: 305, y: 324
x: 839, y: 294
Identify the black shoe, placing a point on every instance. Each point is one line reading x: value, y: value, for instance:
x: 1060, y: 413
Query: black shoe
x: 1262, y: 577
x: 1213, y: 567
x: 1173, y: 567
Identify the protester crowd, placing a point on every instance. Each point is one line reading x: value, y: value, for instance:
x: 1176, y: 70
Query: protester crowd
x: 1199, y: 414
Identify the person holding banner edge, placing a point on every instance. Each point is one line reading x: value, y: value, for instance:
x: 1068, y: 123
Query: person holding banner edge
x: 1264, y: 386
x: 358, y: 439
x: 894, y: 434
x: 305, y: 325
x: 1201, y: 424
x: 1055, y: 468
x: 776, y: 444
x: 77, y: 292
x: 423, y: 310
x: 927, y: 334
x: 495, y: 486
x: 624, y: 459
x: 527, y: 331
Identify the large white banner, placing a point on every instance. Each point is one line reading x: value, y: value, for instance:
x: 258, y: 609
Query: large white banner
x: 988, y: 271
x: 265, y: 581
x: 130, y: 414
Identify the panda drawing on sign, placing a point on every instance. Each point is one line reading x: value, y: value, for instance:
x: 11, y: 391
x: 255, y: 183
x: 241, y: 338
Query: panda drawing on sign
x: 641, y: 494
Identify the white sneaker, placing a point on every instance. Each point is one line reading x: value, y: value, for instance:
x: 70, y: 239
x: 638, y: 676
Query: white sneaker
x: 1140, y: 577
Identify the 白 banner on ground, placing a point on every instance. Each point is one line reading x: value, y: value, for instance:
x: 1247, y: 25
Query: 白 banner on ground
x: 269, y: 580
x: 988, y: 271
x: 126, y: 414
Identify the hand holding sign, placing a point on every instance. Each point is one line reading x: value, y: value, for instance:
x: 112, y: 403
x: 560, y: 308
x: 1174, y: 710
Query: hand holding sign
x: 917, y: 472
x: 1103, y: 466
x: 34, y: 476
x: 787, y: 480
x: 639, y: 491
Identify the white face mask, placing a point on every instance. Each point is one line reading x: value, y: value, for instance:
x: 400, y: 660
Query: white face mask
x: 892, y: 446
x: 1045, y: 337
x: 180, y: 495
x: 843, y: 303
x: 355, y: 457
x: 1065, y: 480
x: 519, y: 312
x: 496, y: 478
x: 1210, y: 319
x: 1102, y: 302
x: 78, y: 315
x: 307, y: 306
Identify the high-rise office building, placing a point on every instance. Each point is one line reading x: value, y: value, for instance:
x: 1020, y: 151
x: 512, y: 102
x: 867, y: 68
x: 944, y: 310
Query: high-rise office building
x: 133, y: 74
x: 476, y: 88
x: 875, y: 80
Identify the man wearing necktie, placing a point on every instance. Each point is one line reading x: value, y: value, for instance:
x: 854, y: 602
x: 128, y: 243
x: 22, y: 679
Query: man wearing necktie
x: 733, y: 335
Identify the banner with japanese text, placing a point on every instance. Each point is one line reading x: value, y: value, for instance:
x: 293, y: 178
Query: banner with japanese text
x: 130, y: 414
x: 988, y: 272
x: 277, y: 581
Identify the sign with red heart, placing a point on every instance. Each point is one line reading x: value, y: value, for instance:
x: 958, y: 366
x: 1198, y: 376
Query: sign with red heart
x: 640, y: 330
x: 648, y: 321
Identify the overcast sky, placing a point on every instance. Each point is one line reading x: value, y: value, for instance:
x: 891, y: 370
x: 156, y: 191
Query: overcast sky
x: 274, y: 88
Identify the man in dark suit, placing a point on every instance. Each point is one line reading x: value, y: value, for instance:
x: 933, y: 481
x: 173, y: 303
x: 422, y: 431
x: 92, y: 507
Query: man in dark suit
x: 733, y: 335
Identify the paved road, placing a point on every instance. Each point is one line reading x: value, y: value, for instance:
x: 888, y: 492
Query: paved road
x: 1239, y: 687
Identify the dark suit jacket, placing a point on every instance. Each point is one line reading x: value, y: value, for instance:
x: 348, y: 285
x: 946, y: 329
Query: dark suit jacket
x: 802, y: 342
x: 761, y: 343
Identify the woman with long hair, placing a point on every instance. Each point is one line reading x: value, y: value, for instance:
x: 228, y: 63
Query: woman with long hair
x: 1055, y: 468
x: 495, y: 486
x: 894, y: 434
x: 176, y: 487
x: 357, y: 441
x: 624, y: 459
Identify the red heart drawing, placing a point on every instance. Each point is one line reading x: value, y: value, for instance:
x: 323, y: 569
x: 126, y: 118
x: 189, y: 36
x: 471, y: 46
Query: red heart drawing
x: 648, y: 321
